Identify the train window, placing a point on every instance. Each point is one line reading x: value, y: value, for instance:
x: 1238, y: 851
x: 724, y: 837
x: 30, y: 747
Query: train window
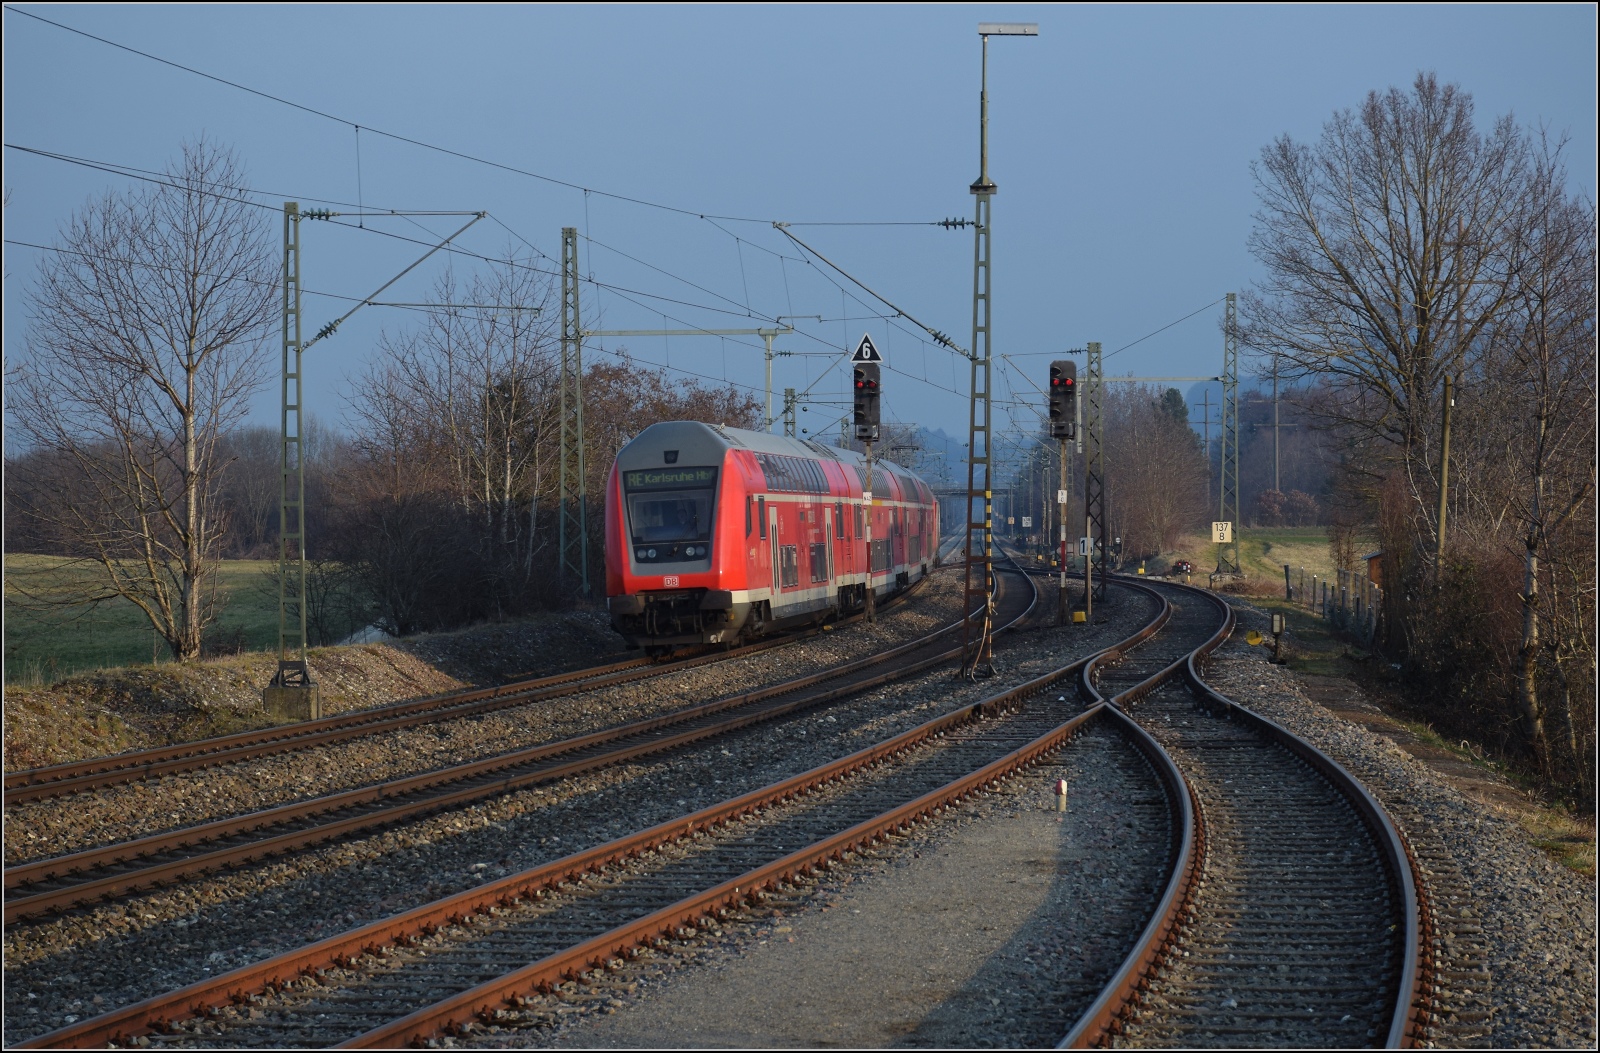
x: 761, y: 515
x: 858, y: 521
x: 670, y: 512
x: 749, y: 503
x: 838, y: 518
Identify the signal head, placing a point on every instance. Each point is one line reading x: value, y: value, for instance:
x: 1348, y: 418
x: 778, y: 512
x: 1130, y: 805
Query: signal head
x: 1063, y: 398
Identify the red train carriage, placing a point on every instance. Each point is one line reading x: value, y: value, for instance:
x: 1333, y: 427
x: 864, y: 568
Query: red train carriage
x: 714, y: 533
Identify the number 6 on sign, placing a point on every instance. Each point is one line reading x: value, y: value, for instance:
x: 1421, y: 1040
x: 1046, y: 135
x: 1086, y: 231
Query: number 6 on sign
x: 1222, y: 533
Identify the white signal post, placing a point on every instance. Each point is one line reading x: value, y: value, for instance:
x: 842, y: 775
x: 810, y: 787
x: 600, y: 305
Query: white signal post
x: 867, y: 351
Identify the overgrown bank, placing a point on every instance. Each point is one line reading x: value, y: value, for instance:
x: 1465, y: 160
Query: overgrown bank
x: 138, y: 707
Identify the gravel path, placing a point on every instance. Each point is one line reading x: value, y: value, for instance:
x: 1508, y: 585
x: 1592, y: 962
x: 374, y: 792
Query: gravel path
x: 120, y: 953
x: 922, y: 946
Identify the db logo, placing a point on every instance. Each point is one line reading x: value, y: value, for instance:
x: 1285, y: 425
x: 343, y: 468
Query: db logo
x: 670, y: 581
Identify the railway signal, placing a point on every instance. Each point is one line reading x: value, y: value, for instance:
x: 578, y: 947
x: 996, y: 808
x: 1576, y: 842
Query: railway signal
x: 866, y: 408
x: 1063, y: 399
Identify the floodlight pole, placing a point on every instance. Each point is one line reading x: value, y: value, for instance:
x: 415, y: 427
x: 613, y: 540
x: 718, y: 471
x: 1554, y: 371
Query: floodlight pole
x: 976, y: 658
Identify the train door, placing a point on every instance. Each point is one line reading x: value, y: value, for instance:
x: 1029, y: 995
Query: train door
x: 827, y: 538
x: 772, y: 534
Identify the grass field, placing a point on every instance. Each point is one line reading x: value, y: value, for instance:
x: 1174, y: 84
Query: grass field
x: 43, y: 646
x: 1262, y: 553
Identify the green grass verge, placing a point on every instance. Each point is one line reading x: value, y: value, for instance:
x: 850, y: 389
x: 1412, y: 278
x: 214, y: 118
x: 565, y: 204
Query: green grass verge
x: 42, y: 646
x: 1569, y: 839
x: 1263, y: 551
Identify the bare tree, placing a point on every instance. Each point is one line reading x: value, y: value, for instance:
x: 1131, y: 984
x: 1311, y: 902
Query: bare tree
x: 1160, y: 482
x: 1545, y: 372
x: 1404, y: 249
x: 145, y: 341
x: 251, y: 489
x: 484, y: 372
x: 1385, y: 248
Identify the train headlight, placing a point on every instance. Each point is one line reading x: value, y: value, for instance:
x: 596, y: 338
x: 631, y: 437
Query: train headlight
x: 689, y: 551
x: 650, y: 553
x: 638, y: 553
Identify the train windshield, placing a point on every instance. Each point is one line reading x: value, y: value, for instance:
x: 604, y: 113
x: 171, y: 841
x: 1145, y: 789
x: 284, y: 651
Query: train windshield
x: 670, y: 511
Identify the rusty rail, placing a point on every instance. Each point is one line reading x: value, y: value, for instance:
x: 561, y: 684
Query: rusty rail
x: 1103, y: 1018
x: 1406, y: 883
x: 385, y: 803
x: 159, y: 1013
x: 33, y: 784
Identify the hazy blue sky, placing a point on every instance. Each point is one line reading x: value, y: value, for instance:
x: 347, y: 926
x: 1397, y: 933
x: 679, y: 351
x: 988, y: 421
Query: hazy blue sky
x: 1121, y: 139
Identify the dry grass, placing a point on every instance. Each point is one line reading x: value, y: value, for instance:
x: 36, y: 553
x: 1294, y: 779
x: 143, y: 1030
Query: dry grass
x: 138, y: 707
x: 1262, y: 553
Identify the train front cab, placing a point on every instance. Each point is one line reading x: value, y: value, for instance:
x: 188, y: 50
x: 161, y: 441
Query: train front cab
x: 672, y: 500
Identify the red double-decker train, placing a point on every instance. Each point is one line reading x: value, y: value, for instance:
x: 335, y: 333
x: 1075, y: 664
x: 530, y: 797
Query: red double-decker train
x: 716, y: 534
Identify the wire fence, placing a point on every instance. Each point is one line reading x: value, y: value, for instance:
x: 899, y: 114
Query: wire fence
x: 1349, y: 600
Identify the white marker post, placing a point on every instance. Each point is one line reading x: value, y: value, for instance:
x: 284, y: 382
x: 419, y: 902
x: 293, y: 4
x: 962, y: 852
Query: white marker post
x: 866, y: 352
x: 1061, y: 795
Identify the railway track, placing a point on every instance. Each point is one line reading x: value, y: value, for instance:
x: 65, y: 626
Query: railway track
x: 34, y: 784
x: 410, y: 993
x: 1196, y: 924
x: 45, y: 887
x: 1293, y: 917
x: 447, y: 966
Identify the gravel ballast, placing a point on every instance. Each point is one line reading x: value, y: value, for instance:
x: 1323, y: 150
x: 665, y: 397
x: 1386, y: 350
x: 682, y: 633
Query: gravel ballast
x: 128, y: 951
x: 57, y: 826
x: 765, y: 987
x: 778, y: 980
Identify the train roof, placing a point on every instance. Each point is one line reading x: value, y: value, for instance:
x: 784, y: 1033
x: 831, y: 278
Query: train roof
x: 698, y: 435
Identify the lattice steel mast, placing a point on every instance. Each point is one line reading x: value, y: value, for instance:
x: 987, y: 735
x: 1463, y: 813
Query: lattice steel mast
x: 573, y: 514
x: 293, y: 671
x: 1094, y: 474
x: 1228, y: 510
x: 979, y: 511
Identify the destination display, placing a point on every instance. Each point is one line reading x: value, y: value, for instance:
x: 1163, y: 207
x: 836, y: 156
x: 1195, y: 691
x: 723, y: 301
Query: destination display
x: 669, y: 478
